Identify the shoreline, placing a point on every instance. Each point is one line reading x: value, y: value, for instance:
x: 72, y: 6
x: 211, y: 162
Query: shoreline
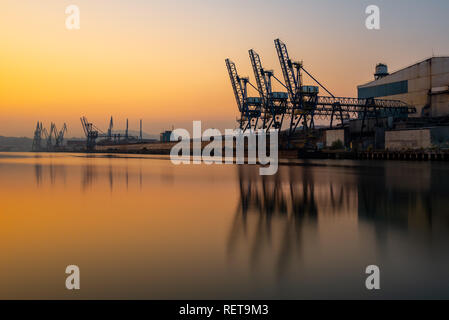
x: 288, y: 155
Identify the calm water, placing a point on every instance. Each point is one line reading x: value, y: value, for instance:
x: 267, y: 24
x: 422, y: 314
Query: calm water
x: 140, y: 227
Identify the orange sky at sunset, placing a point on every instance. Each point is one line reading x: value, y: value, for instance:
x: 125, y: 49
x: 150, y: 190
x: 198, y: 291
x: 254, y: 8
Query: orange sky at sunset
x: 163, y: 61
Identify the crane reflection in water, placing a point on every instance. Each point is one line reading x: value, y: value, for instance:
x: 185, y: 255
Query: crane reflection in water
x: 307, y: 232
x: 278, y: 217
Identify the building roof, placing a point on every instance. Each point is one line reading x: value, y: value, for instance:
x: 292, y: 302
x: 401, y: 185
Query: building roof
x: 410, y: 66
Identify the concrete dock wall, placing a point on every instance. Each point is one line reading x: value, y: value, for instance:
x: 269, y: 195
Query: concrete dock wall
x: 333, y: 136
x: 414, y: 139
x: 408, y: 139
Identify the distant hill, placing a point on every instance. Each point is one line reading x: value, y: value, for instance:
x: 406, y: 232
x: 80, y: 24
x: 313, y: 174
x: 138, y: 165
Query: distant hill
x: 15, y: 144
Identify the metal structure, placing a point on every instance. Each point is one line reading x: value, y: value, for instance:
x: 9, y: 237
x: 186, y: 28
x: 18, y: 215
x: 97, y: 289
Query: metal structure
x: 52, y: 140
x: 50, y: 136
x: 250, y: 108
x: 140, y: 131
x: 126, y: 131
x: 111, y: 126
x: 40, y: 133
x: 274, y: 104
x: 92, y: 133
x: 302, y: 103
x: 59, y: 136
x: 306, y: 104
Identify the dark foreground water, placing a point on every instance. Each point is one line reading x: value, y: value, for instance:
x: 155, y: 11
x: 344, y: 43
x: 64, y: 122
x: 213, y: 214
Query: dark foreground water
x: 140, y: 227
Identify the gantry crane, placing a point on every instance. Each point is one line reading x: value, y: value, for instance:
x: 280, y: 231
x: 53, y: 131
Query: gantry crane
x: 91, y: 133
x: 303, y: 99
x: 59, y: 136
x: 306, y: 104
x: 274, y: 104
x: 302, y: 103
x: 41, y: 134
x: 49, y: 136
x: 250, y: 108
x: 38, y: 135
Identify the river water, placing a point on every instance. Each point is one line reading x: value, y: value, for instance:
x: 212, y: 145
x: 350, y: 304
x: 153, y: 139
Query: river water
x: 140, y: 227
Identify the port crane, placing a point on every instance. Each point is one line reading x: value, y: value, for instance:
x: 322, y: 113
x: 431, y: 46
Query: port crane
x: 250, y: 108
x: 59, y: 136
x: 274, y: 104
x: 49, y: 136
x: 39, y: 135
x: 303, y: 99
x: 92, y: 133
x: 306, y: 104
x: 301, y: 103
x: 53, y: 139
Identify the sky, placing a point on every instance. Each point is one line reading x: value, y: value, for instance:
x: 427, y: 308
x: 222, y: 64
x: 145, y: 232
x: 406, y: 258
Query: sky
x: 163, y: 61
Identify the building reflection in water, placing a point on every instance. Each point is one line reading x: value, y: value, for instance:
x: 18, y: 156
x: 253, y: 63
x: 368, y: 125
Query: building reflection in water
x: 405, y: 196
x: 278, y: 216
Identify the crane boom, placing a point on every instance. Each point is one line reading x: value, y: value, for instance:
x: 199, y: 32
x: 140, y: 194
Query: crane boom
x: 259, y: 74
x: 59, y: 135
x: 287, y: 69
x: 236, y: 84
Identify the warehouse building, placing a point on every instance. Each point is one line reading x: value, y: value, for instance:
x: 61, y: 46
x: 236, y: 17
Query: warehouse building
x: 424, y: 85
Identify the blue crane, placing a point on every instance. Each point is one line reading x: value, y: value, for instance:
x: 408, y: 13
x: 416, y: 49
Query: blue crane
x: 274, y: 104
x: 249, y: 107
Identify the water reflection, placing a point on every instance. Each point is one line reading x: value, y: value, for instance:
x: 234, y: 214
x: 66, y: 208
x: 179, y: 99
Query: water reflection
x: 407, y: 197
x: 51, y: 171
x: 287, y: 202
x: 89, y: 175
x: 164, y: 231
x: 38, y: 173
x: 92, y: 172
x: 274, y: 213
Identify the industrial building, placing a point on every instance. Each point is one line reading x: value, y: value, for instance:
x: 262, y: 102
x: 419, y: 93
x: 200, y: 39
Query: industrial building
x: 424, y: 85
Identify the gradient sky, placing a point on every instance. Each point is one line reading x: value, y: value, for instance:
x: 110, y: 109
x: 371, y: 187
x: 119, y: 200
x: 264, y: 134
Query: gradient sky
x: 163, y: 61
